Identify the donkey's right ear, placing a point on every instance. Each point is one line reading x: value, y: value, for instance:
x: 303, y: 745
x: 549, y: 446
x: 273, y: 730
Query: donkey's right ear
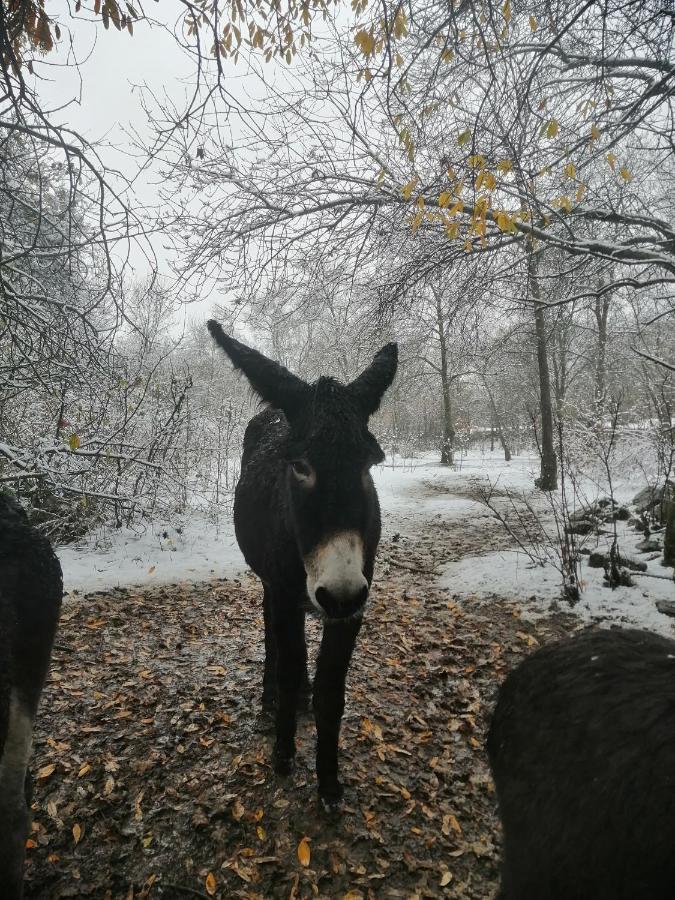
x: 272, y: 382
x: 371, y: 384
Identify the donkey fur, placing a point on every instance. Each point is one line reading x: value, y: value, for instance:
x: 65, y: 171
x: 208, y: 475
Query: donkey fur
x: 582, y: 749
x: 30, y: 600
x: 279, y: 523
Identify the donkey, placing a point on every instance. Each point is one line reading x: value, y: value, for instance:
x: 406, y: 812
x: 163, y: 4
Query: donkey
x: 582, y: 750
x: 30, y: 602
x: 307, y: 520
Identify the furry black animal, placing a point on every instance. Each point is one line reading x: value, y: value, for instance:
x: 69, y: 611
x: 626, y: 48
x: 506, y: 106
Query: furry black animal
x: 582, y: 749
x: 30, y: 601
x: 304, y: 479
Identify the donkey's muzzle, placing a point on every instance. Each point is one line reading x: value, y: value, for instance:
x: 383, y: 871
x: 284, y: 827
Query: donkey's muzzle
x: 341, y: 606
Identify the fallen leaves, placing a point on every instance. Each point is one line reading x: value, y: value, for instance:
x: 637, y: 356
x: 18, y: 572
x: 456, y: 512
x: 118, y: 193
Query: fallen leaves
x: 304, y: 852
x: 181, y: 783
x: 45, y: 772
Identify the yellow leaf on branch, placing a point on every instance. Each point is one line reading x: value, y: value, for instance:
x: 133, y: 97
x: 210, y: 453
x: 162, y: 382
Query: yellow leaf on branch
x: 400, y: 24
x: 408, y: 188
x: 365, y: 41
x: 552, y: 128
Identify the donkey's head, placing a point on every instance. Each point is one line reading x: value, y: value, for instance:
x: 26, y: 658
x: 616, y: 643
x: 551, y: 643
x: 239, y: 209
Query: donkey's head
x: 328, y: 454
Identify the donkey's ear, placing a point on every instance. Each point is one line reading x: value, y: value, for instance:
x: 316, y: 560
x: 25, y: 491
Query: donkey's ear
x: 272, y: 382
x: 371, y: 384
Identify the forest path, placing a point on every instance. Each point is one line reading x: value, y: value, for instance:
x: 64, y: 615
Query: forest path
x: 154, y: 780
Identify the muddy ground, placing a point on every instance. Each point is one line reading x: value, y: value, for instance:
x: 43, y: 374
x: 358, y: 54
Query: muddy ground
x: 153, y: 775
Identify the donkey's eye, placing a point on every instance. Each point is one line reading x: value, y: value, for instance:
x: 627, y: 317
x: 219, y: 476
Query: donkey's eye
x: 303, y: 471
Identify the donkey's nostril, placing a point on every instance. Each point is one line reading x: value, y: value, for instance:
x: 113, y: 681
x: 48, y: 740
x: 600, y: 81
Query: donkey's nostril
x: 326, y: 601
x: 343, y: 605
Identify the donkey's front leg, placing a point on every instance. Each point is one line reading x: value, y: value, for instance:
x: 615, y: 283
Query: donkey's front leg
x: 291, y: 660
x: 269, y: 694
x: 337, y: 645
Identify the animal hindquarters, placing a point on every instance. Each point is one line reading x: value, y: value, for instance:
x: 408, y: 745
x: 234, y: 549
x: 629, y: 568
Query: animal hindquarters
x: 14, y: 818
x: 582, y: 749
x: 30, y: 600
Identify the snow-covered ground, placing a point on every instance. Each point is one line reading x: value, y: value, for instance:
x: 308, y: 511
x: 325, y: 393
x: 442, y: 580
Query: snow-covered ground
x: 160, y: 554
x: 414, y: 494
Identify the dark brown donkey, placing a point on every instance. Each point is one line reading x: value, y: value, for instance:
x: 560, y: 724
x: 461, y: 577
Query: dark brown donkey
x: 307, y: 520
x: 30, y: 601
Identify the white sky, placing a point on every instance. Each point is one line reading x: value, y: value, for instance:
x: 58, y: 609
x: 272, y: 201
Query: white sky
x: 100, y: 98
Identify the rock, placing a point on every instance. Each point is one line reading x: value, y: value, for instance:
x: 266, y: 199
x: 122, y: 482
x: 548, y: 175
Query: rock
x: 581, y: 527
x: 649, y: 546
x: 667, y: 607
x: 598, y: 560
x: 647, y: 498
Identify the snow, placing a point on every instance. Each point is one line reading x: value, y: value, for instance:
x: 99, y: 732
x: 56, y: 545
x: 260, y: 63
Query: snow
x: 161, y: 554
x: 413, y: 493
x: 512, y: 575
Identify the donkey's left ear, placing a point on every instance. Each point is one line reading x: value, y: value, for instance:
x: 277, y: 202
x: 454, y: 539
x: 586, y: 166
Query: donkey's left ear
x: 371, y: 384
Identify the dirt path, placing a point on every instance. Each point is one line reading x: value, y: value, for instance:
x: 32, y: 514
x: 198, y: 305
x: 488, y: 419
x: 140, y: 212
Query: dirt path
x: 153, y: 779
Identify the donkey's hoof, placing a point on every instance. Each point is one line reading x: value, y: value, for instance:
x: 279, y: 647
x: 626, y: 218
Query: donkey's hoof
x: 264, y: 721
x: 269, y: 701
x: 330, y: 797
x: 304, y: 705
x: 283, y: 764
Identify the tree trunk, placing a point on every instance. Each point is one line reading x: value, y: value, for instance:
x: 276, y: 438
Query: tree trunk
x: 601, y: 313
x: 548, y: 479
x: 669, y: 538
x: 497, y: 421
x: 448, y: 444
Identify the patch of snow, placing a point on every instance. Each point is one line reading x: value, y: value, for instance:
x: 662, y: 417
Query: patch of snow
x: 511, y: 574
x: 120, y: 558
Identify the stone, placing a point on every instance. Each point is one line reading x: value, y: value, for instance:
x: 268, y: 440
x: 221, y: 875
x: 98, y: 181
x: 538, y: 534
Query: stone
x: 581, y: 527
x: 647, y: 498
x: 649, y: 546
x: 667, y: 607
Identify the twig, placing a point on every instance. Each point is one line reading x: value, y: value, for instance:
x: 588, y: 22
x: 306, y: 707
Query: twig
x: 651, y: 575
x: 185, y: 889
x: 414, y: 569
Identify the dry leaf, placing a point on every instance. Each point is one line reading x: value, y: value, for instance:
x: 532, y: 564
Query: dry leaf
x: 77, y: 833
x: 46, y: 772
x: 304, y: 853
x: 210, y: 884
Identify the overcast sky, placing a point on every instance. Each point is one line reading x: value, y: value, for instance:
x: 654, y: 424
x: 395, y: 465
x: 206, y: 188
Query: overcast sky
x: 101, y: 97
